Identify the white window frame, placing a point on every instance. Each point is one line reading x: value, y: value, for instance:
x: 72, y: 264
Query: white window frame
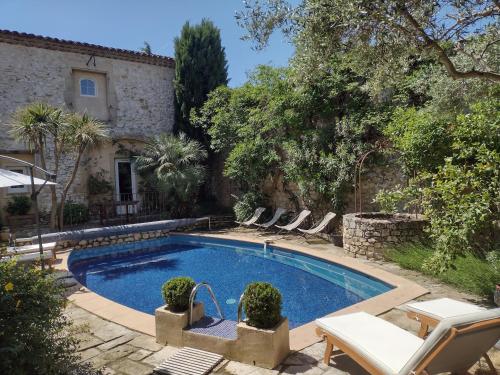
x: 95, y: 87
x: 21, y: 188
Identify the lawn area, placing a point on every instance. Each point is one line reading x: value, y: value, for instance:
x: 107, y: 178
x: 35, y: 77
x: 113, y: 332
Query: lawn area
x: 469, y: 273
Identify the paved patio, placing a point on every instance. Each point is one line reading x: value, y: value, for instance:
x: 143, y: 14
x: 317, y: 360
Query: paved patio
x: 122, y: 351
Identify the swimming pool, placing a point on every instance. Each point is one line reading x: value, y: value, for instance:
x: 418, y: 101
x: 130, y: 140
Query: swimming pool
x: 132, y: 274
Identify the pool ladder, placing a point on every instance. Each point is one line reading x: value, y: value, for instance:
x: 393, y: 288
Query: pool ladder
x: 212, y: 296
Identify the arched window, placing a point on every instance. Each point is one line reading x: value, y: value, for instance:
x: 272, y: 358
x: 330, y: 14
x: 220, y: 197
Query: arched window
x: 87, y: 87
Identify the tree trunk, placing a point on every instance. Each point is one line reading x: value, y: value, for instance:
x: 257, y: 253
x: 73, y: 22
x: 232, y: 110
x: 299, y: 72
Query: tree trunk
x: 66, y: 188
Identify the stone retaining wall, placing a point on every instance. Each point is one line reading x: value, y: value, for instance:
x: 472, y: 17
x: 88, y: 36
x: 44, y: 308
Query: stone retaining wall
x: 368, y: 234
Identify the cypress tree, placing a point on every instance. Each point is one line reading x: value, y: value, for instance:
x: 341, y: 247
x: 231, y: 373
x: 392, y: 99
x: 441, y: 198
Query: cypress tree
x: 200, y: 67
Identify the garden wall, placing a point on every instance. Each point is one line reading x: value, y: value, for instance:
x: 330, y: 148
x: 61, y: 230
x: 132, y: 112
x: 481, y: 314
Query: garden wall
x: 367, y: 235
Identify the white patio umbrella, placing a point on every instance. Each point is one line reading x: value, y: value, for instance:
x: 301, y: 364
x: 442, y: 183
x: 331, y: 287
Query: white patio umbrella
x: 9, y: 179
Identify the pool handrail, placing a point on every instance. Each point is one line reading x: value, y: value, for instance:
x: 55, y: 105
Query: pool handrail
x: 212, y: 296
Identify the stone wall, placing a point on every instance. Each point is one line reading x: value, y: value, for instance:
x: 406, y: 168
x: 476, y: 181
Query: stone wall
x: 367, y: 235
x: 139, y: 97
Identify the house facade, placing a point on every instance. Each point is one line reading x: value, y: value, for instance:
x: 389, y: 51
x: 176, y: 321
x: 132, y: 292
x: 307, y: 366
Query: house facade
x: 131, y: 92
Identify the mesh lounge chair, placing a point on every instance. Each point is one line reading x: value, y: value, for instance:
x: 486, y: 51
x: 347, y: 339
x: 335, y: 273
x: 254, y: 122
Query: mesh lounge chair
x: 279, y: 212
x: 430, y: 313
x: 296, y: 222
x: 256, y: 215
x: 382, y: 348
x: 322, y: 225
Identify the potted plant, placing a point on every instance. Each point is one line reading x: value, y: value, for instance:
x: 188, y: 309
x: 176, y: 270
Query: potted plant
x: 173, y: 317
x: 264, y: 334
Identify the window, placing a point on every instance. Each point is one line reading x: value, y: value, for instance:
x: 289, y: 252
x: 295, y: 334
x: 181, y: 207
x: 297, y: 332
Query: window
x: 18, y: 188
x: 87, y: 87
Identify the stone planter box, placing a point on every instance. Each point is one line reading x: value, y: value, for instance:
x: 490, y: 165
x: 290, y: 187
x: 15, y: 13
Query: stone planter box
x: 368, y: 234
x: 262, y: 347
x: 170, y: 325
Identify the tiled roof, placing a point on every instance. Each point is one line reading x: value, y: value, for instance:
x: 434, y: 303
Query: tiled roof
x: 32, y: 40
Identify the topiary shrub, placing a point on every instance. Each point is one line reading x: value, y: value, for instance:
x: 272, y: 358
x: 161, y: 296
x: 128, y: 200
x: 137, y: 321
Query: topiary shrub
x: 19, y: 205
x: 262, y: 305
x: 176, y: 292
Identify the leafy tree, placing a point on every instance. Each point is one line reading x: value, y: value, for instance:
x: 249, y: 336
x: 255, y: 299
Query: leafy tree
x: 172, y: 164
x: 83, y: 132
x: 36, y: 337
x: 460, y: 195
x: 38, y: 125
x: 200, y: 67
x: 384, y: 37
x: 309, y: 134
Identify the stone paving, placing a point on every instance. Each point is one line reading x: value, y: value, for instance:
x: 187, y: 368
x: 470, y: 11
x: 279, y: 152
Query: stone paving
x: 119, y: 350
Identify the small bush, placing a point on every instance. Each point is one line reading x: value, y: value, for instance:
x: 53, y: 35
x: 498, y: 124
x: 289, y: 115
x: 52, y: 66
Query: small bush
x: 36, y: 336
x: 75, y: 213
x: 19, y: 205
x: 262, y: 305
x: 176, y: 292
x: 246, y: 205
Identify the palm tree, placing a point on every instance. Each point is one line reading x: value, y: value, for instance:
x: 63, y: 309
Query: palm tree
x: 32, y: 125
x: 82, y: 133
x: 173, y: 164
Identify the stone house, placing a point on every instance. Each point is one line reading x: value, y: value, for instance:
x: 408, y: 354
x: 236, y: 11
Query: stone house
x: 131, y: 92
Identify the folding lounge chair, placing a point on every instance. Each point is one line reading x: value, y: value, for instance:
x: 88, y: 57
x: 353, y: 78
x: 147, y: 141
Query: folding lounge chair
x: 296, y: 222
x: 382, y: 348
x: 256, y: 215
x: 430, y: 313
x: 322, y: 225
x: 279, y: 212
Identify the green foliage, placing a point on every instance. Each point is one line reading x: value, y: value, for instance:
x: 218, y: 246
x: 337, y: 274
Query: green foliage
x: 467, y: 272
x: 35, y: 335
x: 75, y: 213
x: 200, y: 67
x: 422, y: 139
x: 245, y: 205
x: 172, y: 165
x: 19, y: 205
x: 310, y: 134
x: 460, y: 196
x: 176, y: 292
x: 383, y: 39
x: 98, y: 184
x: 394, y: 200
x: 262, y: 305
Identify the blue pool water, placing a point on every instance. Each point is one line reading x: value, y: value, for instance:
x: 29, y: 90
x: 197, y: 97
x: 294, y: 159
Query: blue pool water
x: 132, y: 274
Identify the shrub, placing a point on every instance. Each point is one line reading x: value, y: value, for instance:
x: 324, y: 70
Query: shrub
x: 19, y: 205
x: 467, y: 272
x: 246, y: 205
x: 176, y: 292
x: 36, y: 337
x: 75, y: 213
x: 262, y: 305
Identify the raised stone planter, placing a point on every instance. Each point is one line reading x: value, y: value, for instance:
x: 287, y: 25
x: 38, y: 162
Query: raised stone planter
x: 367, y: 235
x: 262, y: 347
x: 170, y: 325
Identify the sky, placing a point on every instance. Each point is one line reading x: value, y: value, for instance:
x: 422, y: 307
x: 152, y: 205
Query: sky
x: 128, y: 23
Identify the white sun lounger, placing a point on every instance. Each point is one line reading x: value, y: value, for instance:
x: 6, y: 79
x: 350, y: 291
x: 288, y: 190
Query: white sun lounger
x: 296, y: 222
x: 279, y: 212
x: 383, y: 348
x: 322, y: 225
x: 256, y: 215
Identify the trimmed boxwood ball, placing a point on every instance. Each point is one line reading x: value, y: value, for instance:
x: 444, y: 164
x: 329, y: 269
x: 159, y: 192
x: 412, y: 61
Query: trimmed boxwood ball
x: 262, y: 305
x: 176, y: 292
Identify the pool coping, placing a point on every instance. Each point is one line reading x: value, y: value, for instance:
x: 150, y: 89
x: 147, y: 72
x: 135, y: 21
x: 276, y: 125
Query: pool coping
x: 301, y: 337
